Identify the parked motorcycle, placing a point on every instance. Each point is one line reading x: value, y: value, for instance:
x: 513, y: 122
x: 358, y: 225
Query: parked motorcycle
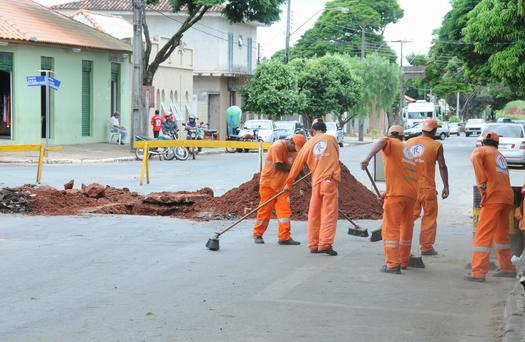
x: 181, y: 153
x: 167, y: 153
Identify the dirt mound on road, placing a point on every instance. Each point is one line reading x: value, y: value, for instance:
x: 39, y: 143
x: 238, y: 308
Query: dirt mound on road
x: 354, y: 199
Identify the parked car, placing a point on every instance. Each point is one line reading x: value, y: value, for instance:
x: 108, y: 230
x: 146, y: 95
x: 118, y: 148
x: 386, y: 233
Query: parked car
x: 504, y: 120
x: 265, y: 130
x: 454, y: 128
x: 441, y: 133
x: 511, y: 142
x: 474, y: 126
x: 333, y: 128
x: 285, y: 129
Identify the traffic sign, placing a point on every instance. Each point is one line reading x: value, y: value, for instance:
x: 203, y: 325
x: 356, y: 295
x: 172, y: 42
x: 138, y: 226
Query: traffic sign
x: 53, y: 83
x: 42, y: 81
x: 36, y: 81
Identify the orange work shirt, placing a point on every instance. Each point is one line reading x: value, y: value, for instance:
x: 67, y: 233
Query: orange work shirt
x: 321, y: 155
x: 270, y: 176
x: 490, y: 167
x: 425, y: 152
x: 401, y: 172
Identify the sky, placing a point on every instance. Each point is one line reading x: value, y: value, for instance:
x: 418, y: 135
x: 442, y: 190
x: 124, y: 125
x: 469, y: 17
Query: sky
x: 421, y: 18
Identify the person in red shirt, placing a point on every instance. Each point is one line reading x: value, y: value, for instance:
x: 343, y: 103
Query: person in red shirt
x: 156, y: 122
x: 497, y: 198
x: 279, y: 160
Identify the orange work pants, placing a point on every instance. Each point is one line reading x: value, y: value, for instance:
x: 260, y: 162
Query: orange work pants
x: 493, y: 227
x: 282, y: 208
x: 398, y: 226
x: 427, y: 200
x: 323, y: 214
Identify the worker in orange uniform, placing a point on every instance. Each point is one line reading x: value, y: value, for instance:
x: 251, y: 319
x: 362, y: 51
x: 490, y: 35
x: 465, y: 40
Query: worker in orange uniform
x: 278, y: 163
x: 497, y: 199
x: 321, y: 155
x: 426, y: 151
x: 401, y: 176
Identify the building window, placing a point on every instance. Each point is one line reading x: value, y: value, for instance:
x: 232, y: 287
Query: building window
x: 46, y: 64
x: 115, y: 87
x: 233, y: 98
x: 87, y: 92
x: 250, y: 56
x: 230, y: 52
x: 6, y: 81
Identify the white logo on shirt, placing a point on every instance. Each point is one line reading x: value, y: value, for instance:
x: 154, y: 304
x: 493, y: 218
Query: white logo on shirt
x: 417, y: 151
x: 501, y: 164
x: 320, y: 147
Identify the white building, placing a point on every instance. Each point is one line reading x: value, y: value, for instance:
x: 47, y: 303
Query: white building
x: 173, y: 81
x: 224, y: 54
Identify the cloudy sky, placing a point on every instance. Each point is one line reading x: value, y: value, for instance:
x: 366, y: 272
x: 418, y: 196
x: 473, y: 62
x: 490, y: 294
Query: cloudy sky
x: 421, y: 18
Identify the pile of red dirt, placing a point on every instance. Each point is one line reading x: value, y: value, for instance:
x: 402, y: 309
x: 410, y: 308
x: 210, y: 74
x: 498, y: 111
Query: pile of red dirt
x: 355, y: 200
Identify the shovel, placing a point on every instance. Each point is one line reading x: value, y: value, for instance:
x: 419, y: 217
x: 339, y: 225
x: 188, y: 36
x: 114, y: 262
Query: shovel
x: 213, y: 242
x: 376, y: 234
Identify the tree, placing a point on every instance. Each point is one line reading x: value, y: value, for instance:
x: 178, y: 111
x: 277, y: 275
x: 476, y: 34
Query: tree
x: 273, y: 91
x: 380, y: 85
x: 496, y: 30
x: 328, y: 85
x: 339, y: 29
x: 266, y: 12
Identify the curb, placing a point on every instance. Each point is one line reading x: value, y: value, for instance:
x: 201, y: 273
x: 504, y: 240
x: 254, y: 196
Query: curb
x: 88, y: 161
x: 513, y: 316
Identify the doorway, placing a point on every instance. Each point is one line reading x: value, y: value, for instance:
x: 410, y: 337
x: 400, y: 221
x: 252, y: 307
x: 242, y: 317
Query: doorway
x: 214, y: 116
x: 5, y: 105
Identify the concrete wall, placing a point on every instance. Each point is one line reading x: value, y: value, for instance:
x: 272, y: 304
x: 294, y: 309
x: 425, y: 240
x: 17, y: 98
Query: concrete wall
x: 66, y: 120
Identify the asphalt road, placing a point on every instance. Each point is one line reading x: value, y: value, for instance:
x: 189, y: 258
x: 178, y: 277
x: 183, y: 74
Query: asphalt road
x: 116, y: 278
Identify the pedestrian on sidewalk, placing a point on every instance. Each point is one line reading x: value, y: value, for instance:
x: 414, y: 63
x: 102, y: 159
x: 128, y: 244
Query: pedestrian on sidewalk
x: 497, y: 199
x: 427, y: 151
x: 117, y: 128
x: 321, y: 155
x: 279, y: 160
x: 156, y: 122
x: 401, y: 176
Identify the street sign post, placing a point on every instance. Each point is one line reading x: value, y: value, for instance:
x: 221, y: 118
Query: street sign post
x: 48, y: 82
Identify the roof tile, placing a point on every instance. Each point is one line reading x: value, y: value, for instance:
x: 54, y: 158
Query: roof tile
x: 118, y: 5
x: 25, y: 20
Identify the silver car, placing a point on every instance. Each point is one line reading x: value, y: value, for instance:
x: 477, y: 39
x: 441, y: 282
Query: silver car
x: 511, y: 140
x: 333, y: 128
x: 264, y: 130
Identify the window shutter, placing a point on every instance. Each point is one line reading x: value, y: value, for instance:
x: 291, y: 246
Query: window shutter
x: 6, y: 61
x: 86, y: 98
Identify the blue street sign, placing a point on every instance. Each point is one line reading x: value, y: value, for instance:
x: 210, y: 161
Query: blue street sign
x: 36, y: 81
x: 53, y: 83
x: 42, y: 81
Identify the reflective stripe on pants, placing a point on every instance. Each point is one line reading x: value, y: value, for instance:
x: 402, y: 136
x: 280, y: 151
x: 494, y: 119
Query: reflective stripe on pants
x: 282, y: 208
x: 493, y: 227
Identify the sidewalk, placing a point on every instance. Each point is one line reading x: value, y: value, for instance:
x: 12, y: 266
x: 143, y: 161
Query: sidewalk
x: 354, y: 141
x: 82, y: 154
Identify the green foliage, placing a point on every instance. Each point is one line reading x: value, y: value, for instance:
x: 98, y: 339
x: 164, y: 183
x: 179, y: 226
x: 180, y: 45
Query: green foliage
x: 273, y: 91
x: 338, y: 31
x: 380, y: 83
x: 514, y: 107
x: 453, y: 119
x: 417, y: 59
x: 328, y: 85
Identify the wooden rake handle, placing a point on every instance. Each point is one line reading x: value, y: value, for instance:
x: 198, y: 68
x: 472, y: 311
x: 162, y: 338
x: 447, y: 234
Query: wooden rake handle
x: 373, y: 183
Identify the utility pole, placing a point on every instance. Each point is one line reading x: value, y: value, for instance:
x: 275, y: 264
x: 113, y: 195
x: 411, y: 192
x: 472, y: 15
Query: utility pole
x: 288, y: 23
x: 401, y: 88
x: 258, y: 53
x: 138, y: 52
x: 457, y: 105
x: 361, y: 121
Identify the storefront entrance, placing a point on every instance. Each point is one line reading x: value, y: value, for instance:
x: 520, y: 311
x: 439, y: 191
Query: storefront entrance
x: 6, y: 78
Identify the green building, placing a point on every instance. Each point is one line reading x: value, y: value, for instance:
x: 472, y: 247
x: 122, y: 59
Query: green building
x: 93, y: 67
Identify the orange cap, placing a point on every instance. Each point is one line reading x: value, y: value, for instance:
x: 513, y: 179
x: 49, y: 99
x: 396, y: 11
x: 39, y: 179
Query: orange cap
x: 395, y: 129
x: 491, y: 136
x: 429, y: 125
x: 299, y: 140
